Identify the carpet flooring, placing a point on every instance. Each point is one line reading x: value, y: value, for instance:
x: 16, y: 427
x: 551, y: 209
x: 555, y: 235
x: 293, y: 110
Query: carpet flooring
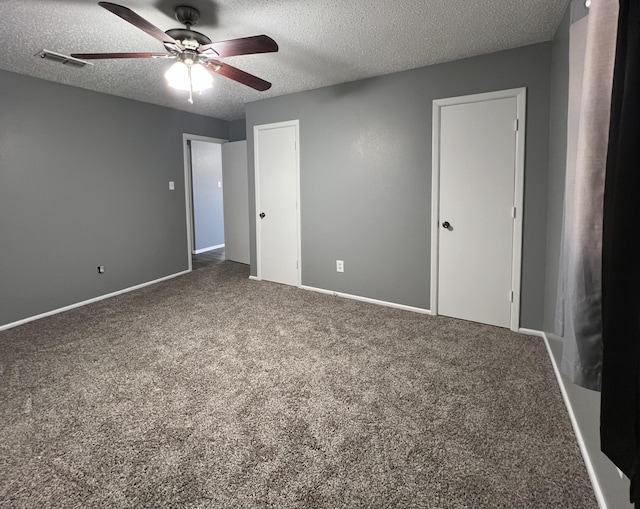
x: 212, y: 390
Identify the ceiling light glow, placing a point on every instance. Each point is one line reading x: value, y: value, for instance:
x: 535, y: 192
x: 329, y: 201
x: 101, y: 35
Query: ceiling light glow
x: 201, y: 79
x: 190, y: 78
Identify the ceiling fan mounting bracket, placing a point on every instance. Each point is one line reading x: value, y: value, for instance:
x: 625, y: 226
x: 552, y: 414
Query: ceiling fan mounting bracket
x: 186, y: 15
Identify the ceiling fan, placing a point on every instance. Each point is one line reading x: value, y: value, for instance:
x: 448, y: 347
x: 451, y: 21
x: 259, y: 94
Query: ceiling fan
x: 197, y: 57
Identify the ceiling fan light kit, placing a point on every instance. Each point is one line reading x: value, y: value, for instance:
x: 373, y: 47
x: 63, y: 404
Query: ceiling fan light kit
x: 194, y: 51
x: 189, y: 77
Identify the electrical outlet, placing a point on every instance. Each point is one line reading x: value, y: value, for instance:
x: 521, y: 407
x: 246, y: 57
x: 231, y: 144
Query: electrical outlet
x: 101, y: 269
x: 340, y: 265
x: 172, y: 185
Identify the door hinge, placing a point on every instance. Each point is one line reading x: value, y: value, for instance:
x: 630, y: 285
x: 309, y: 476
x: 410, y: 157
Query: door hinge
x: 511, y: 296
x: 513, y: 212
x: 516, y: 124
x: 297, y: 267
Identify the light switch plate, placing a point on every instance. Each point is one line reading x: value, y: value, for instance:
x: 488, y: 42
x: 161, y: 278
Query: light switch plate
x: 172, y: 185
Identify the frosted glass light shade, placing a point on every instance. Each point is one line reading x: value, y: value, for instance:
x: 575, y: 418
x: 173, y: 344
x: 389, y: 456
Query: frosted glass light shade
x: 178, y: 77
x: 201, y: 79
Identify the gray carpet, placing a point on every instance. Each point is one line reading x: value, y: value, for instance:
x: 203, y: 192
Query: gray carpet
x: 211, y: 390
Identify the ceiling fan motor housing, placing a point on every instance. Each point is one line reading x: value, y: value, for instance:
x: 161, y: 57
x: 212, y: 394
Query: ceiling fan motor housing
x: 188, y: 38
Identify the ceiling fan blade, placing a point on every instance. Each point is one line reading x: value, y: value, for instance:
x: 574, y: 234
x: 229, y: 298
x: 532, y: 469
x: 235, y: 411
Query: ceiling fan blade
x: 138, y: 21
x: 237, y: 75
x: 243, y: 46
x: 94, y: 56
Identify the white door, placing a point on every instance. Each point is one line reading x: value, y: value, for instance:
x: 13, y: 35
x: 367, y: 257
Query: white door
x: 236, y: 201
x: 276, y: 165
x: 478, y: 153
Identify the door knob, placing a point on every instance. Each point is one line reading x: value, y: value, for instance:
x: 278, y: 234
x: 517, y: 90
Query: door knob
x: 446, y: 225
x: 262, y: 214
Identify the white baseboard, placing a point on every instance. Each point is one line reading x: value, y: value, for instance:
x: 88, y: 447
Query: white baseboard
x: 205, y: 249
x: 255, y: 278
x: 531, y: 332
x: 367, y: 299
x: 595, y: 483
x: 90, y: 301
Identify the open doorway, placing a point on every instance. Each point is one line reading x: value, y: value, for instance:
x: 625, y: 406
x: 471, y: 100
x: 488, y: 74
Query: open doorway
x: 204, y: 195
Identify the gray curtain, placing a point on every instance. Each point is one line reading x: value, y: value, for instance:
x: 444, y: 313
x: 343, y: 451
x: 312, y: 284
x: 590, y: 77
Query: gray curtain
x: 592, y: 42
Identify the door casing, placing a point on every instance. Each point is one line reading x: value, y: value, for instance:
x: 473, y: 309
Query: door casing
x: 188, y: 185
x: 520, y: 94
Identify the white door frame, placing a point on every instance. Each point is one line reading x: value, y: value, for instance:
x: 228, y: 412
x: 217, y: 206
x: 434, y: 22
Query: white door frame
x: 188, y: 192
x: 521, y: 99
x: 256, y: 130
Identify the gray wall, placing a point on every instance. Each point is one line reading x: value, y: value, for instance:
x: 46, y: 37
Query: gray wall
x: 365, y: 152
x: 84, y: 182
x: 238, y: 130
x: 208, y: 211
x: 557, y: 164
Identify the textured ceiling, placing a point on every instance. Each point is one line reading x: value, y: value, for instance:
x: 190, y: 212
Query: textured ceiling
x: 322, y: 42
